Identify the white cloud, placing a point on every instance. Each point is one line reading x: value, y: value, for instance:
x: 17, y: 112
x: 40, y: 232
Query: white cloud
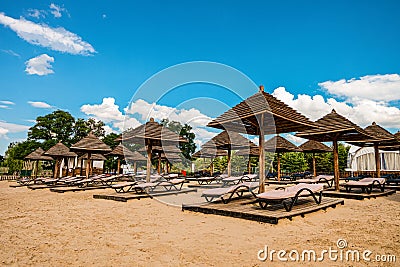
x: 360, y: 111
x: 147, y: 110
x: 294, y: 139
x: 7, y: 127
x: 4, y: 106
x: 36, y: 13
x: 11, y: 52
x: 58, y: 39
x: 40, y: 65
x: 104, y: 16
x: 39, y: 104
x: 372, y: 87
x: 3, y: 132
x: 107, y: 111
x: 6, y: 102
x: 57, y: 10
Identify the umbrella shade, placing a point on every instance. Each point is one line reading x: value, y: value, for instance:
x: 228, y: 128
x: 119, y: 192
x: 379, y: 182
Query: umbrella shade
x: 122, y: 151
x: 91, y: 143
x: 262, y: 114
x: 60, y: 150
x: 334, y: 127
x: 209, y: 153
x: 92, y: 157
x: 38, y: 154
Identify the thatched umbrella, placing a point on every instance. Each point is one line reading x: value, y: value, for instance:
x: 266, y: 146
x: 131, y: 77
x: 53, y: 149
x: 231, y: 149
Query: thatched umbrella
x: 280, y: 145
x: 262, y: 114
x: 36, y: 156
x: 90, y: 144
x: 151, y: 134
x: 58, y: 152
x: 382, y: 138
x: 229, y: 141
x: 123, y: 152
x: 334, y: 127
x: 312, y: 146
x: 93, y: 157
x: 211, y: 154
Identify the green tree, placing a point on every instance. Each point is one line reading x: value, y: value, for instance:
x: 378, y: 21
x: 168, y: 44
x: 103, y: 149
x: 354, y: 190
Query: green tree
x: 80, y: 130
x: 57, y: 125
x: 97, y: 127
x: 16, y: 152
x: 293, y: 162
x: 109, y: 140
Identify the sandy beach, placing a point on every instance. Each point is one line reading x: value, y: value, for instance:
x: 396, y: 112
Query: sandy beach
x: 42, y: 228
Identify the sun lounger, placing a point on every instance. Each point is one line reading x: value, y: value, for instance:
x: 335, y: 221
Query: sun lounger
x: 123, y: 187
x: 366, y: 184
x: 249, y: 177
x: 232, y: 180
x: 25, y: 180
x: 328, y: 179
x: 238, y: 190
x: 176, y: 184
x: 292, y: 193
x: 205, y: 180
x: 170, y: 176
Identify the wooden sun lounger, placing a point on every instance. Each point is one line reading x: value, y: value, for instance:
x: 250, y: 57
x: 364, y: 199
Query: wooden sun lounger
x: 205, y: 180
x: 176, y: 184
x: 123, y: 187
x: 238, y: 190
x: 366, y: 184
x: 281, y: 194
x: 232, y: 180
x: 328, y: 179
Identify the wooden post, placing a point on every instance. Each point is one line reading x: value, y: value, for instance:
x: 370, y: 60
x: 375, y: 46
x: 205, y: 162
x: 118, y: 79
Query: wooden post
x: 159, y: 163
x: 314, y: 165
x: 81, y: 171
x: 88, y: 166
x: 148, y: 170
x: 336, y: 163
x: 229, y: 161
x: 118, y: 165
x: 261, y: 161
x: 279, y: 167
x: 377, y: 161
x: 135, y: 167
x: 212, y: 166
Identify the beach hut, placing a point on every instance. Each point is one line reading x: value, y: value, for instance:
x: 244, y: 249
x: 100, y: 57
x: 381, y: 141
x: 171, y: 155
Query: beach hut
x: 122, y: 152
x: 279, y: 145
x: 312, y: 146
x: 262, y: 114
x: 333, y: 127
x: 58, y: 152
x: 381, y: 138
x: 211, y: 154
x: 90, y: 144
x: 38, y: 155
x: 229, y: 141
x: 151, y: 134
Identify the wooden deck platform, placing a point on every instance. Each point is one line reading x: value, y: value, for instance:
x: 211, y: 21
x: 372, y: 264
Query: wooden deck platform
x: 279, y: 182
x: 74, y: 189
x: 393, y: 187
x: 124, y: 197
x: 356, y: 194
x: 43, y: 186
x: 250, y: 210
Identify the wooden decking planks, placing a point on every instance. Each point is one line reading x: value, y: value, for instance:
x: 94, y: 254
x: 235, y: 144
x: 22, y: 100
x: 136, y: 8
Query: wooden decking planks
x: 356, y: 194
x: 251, y: 211
x: 124, y: 197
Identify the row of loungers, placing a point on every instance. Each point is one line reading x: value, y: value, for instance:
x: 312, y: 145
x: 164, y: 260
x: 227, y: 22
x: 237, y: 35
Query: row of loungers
x: 143, y: 187
x: 289, y: 195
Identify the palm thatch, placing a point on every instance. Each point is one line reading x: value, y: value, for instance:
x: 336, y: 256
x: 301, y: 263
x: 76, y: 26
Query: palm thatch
x: 244, y: 117
x: 381, y: 137
x: 254, y: 151
x: 123, y: 152
x: 231, y: 140
x: 38, y: 154
x: 312, y: 146
x: 278, y: 144
x: 91, y: 143
x: 60, y: 150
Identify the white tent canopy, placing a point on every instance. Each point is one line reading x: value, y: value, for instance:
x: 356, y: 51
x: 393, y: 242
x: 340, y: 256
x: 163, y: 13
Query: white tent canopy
x: 363, y: 159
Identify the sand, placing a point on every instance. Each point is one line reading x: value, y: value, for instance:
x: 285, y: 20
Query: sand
x: 42, y: 228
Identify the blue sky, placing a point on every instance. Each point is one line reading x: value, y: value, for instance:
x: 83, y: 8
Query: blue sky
x: 90, y: 59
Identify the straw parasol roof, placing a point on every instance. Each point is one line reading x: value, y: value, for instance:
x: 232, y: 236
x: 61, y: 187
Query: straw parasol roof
x: 312, y: 146
x: 278, y: 144
x: 243, y: 117
x: 334, y: 127
x: 91, y: 143
x: 38, y: 154
x: 151, y: 134
x: 209, y: 153
x: 60, y: 150
x: 93, y: 157
x: 262, y: 114
x: 123, y: 151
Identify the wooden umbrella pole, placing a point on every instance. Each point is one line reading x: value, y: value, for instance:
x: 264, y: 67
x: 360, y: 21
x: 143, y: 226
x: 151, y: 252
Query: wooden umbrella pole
x: 88, y: 165
x: 377, y: 161
x: 159, y: 163
x: 314, y: 165
x: 55, y: 168
x: 261, y: 161
x: 212, y: 167
x: 336, y: 163
x: 229, y: 161
x: 248, y: 166
x: 279, y: 167
x: 148, y: 170
x: 119, y: 165
x: 135, y: 167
